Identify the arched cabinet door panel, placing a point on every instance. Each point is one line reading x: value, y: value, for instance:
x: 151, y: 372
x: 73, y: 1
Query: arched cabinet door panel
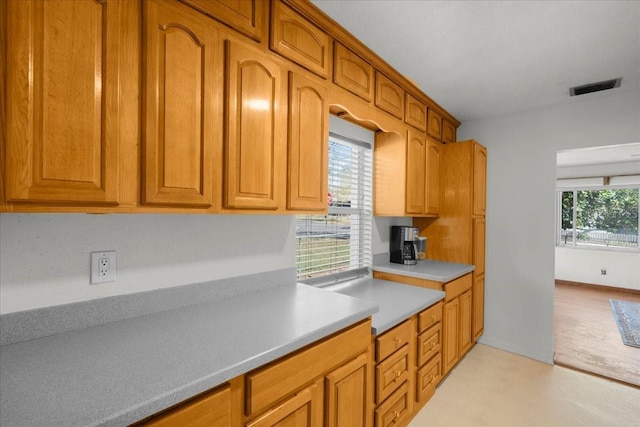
x: 63, y: 117
x: 415, y: 176
x: 307, y: 149
x: 254, y: 135
x: 179, y: 119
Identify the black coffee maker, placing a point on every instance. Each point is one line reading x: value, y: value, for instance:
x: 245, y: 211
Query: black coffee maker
x: 403, y: 245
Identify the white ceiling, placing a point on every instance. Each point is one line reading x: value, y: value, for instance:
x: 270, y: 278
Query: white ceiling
x: 481, y: 59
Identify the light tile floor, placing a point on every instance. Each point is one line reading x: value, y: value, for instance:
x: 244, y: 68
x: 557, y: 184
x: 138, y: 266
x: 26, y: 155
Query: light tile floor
x: 491, y: 387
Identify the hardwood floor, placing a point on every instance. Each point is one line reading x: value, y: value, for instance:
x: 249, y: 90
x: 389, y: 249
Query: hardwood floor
x: 587, y: 337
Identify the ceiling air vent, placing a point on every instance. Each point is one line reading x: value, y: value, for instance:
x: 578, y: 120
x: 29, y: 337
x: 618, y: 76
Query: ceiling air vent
x: 595, y: 87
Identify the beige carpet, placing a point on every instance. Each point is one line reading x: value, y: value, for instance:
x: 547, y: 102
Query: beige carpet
x: 491, y: 387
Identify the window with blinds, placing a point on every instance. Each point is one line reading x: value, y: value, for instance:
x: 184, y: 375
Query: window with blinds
x: 338, y: 245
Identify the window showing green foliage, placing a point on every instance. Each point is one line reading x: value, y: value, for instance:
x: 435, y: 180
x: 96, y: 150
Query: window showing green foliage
x: 602, y: 218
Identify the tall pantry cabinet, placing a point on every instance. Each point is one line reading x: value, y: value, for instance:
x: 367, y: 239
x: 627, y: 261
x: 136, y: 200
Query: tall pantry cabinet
x: 458, y: 234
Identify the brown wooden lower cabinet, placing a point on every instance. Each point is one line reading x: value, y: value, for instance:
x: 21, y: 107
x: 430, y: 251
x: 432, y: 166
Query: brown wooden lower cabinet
x: 211, y: 409
x: 326, y: 384
x: 457, y: 315
x: 347, y: 395
x: 302, y: 409
x: 395, y: 410
x: 329, y: 383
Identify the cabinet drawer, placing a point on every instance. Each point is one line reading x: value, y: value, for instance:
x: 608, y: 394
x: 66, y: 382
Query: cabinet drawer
x: 429, y: 317
x: 395, y: 410
x: 429, y: 343
x: 457, y: 287
x: 210, y: 409
x: 304, y: 408
x: 427, y: 379
x: 391, y: 373
x: 392, y: 340
x: 281, y: 378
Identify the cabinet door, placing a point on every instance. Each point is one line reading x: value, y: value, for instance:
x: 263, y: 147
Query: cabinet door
x: 244, y: 16
x: 254, y: 140
x: 478, y: 307
x: 297, y: 39
x: 304, y: 409
x: 180, y: 84
x: 346, y: 394
x: 63, y: 118
x: 307, y: 150
x: 448, y: 132
x: 415, y: 113
x: 416, y: 178
x: 389, y: 96
x: 450, y: 326
x: 432, y: 191
x: 466, y: 337
x: 352, y: 72
x: 209, y: 410
x: 479, y: 180
x: 434, y: 124
x: 479, y: 232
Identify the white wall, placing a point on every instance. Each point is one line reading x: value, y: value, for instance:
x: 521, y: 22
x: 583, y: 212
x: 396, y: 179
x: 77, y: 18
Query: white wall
x: 584, y: 265
x: 520, y: 208
x: 44, y: 258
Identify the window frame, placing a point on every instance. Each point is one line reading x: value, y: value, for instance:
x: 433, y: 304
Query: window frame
x: 575, y: 190
x: 363, y: 243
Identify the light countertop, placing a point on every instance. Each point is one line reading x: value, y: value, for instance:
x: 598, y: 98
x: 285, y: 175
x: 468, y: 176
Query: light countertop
x: 118, y: 373
x: 397, y: 302
x: 438, y: 271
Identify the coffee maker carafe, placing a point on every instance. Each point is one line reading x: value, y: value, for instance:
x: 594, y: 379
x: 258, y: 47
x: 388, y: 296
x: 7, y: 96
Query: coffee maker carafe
x: 402, y: 246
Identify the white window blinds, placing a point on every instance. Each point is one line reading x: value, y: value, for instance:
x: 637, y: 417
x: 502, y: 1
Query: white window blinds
x: 336, y: 244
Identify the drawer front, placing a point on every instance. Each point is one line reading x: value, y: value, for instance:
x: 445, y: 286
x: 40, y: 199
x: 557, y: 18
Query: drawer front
x: 211, y: 409
x: 427, y: 379
x: 429, y: 317
x: 392, y: 340
x: 267, y: 385
x: 429, y: 343
x: 391, y: 373
x: 457, y: 287
x: 395, y: 410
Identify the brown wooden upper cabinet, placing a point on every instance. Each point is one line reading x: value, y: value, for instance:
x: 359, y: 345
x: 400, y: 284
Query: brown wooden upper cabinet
x: 307, y: 149
x: 180, y: 122
x: 352, y: 72
x: 432, y: 197
x: 297, y: 39
x: 416, y: 173
x: 434, y: 124
x: 389, y: 96
x: 255, y: 132
x: 448, y: 131
x: 244, y: 16
x: 64, y: 123
x: 415, y: 113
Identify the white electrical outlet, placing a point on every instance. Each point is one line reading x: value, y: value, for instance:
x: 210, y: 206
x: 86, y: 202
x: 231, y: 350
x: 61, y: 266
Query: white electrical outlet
x: 103, y: 267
